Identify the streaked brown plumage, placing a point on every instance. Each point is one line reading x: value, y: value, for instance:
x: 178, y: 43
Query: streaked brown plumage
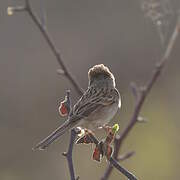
x: 95, y: 108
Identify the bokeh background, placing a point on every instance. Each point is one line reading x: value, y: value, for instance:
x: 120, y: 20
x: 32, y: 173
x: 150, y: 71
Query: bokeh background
x: 116, y: 33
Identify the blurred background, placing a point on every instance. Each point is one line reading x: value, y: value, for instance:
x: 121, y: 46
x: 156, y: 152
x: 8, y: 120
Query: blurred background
x: 128, y: 37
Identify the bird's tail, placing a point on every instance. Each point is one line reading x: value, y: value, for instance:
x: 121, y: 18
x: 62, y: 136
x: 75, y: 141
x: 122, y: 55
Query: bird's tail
x: 54, y: 135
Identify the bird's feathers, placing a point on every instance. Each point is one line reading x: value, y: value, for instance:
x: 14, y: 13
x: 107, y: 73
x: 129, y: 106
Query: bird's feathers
x: 98, y: 104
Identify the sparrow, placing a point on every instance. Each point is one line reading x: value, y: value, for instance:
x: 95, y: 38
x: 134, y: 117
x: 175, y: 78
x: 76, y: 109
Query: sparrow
x: 97, y: 106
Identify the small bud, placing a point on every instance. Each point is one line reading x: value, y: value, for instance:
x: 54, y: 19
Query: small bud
x: 82, y: 131
x: 64, y: 153
x: 86, y: 137
x: 142, y: 119
x: 135, y: 89
x: 60, y: 71
x: 10, y: 11
x: 159, y: 23
x: 115, y: 128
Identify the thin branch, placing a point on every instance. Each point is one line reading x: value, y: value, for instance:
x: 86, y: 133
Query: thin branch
x: 52, y: 46
x: 27, y: 8
x: 126, y: 156
x: 144, y: 92
x: 112, y: 161
x: 124, y: 171
x: 74, y: 133
x: 68, y: 154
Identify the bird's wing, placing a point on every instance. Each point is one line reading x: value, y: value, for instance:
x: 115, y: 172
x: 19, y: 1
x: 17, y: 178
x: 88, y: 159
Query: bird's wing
x: 93, y: 99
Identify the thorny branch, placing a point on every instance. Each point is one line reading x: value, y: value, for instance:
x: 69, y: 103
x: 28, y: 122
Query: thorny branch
x: 141, y: 94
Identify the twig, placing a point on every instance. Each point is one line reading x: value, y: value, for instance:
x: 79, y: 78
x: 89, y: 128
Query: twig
x: 126, y: 156
x: 64, y: 71
x: 143, y: 94
x: 124, y: 171
x: 112, y: 161
x: 68, y: 154
x: 52, y: 46
x: 74, y: 133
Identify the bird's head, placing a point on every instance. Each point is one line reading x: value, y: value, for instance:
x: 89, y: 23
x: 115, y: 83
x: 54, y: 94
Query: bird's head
x: 100, y: 75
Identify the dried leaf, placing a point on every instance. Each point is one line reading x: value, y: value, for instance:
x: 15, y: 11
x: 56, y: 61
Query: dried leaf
x: 85, y: 139
x: 97, y: 154
x: 65, y: 106
x: 63, y: 109
x: 108, y: 152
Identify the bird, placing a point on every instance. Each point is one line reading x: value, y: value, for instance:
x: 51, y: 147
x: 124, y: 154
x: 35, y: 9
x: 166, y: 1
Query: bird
x: 96, y: 107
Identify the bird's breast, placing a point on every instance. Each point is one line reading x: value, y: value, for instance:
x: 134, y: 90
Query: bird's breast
x: 100, y: 117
